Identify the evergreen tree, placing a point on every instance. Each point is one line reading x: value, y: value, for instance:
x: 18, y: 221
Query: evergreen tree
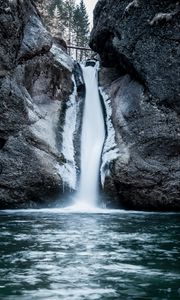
x: 56, y: 25
x: 84, y: 24
x: 69, y: 7
x: 66, y: 19
x: 54, y: 3
x: 77, y: 25
x: 49, y: 10
x: 81, y: 26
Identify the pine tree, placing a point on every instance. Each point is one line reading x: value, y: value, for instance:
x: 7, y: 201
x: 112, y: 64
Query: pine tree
x: 69, y: 6
x: 85, y: 24
x: 77, y: 25
x: 67, y: 20
x: 81, y: 26
x: 56, y: 22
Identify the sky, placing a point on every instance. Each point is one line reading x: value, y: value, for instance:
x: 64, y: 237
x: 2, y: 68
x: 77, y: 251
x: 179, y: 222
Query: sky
x: 90, y: 4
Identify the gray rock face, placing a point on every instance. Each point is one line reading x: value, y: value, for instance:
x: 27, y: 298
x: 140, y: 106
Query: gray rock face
x: 35, y: 82
x: 130, y: 35
x: 140, y: 39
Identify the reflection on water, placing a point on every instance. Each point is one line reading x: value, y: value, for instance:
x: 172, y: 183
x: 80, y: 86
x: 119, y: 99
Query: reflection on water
x: 54, y: 255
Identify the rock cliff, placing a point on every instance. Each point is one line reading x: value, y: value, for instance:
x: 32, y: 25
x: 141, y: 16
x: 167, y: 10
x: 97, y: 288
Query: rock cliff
x: 35, y: 82
x: 138, y: 41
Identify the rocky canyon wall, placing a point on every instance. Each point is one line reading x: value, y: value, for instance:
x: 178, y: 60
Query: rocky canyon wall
x: 138, y: 42
x: 35, y: 83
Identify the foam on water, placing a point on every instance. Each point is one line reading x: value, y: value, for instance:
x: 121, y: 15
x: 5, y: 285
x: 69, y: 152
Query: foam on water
x: 80, y: 209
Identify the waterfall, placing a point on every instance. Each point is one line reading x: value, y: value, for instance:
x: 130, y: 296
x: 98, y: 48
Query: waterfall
x: 92, y: 140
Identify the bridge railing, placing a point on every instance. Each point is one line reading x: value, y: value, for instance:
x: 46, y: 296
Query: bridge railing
x: 80, y: 53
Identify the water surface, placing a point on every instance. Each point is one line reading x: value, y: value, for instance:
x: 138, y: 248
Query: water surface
x: 51, y: 254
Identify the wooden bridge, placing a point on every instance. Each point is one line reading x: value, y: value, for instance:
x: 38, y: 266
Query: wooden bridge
x: 80, y: 53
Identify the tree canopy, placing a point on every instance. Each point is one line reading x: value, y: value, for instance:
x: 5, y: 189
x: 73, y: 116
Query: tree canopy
x: 66, y: 19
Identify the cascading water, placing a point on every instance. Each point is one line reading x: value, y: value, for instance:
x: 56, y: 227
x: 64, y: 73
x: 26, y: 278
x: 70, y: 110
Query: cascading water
x: 92, y: 140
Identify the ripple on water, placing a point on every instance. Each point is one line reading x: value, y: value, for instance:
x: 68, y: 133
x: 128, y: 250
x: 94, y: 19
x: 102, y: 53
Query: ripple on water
x: 70, y: 256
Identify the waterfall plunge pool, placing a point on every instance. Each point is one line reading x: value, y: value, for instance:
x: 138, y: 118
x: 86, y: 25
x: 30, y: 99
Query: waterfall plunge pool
x: 61, y: 255
x: 84, y: 252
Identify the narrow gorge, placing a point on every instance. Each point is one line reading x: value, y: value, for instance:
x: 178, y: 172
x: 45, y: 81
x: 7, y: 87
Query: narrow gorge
x: 44, y: 117
x: 89, y: 150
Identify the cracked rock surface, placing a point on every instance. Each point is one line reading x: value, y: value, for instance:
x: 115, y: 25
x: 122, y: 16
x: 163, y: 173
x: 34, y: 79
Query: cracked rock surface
x: 140, y: 40
x: 34, y: 86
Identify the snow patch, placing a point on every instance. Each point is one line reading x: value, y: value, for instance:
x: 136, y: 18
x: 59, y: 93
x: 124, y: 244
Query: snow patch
x: 45, y: 127
x: 110, y: 150
x: 68, y: 169
x: 134, y: 3
x: 64, y: 59
x: 161, y: 17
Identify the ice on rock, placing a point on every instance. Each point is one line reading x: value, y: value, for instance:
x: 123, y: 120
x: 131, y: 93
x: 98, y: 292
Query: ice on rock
x: 63, y: 58
x: 110, y: 150
x: 68, y: 169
